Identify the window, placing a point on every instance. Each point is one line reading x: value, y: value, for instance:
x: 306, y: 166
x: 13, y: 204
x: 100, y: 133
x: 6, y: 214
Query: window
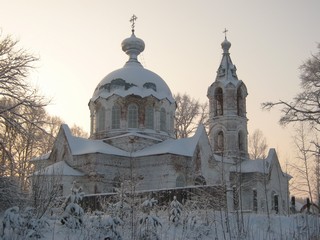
x: 93, y: 123
x: 115, y: 124
x: 275, y: 202
x: 180, y: 182
x: 132, y: 116
x: 241, y: 144
x: 219, y: 102
x: 255, y: 200
x: 219, y: 146
x: 101, y: 118
x: 149, y: 118
x: 240, y: 103
x: 235, y: 198
x: 163, y: 120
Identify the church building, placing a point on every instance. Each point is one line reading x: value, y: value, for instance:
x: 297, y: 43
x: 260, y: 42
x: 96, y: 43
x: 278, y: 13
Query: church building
x: 132, y: 141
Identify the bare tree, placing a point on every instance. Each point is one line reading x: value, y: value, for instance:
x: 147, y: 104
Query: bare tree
x: 189, y: 114
x: 317, y: 173
x: 78, y: 131
x: 257, y: 145
x: 305, y: 107
x: 303, y: 167
x: 46, y: 188
x: 51, y: 127
x: 15, y: 65
x: 18, y: 99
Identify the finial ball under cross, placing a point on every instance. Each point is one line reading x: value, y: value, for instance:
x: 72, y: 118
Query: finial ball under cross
x: 225, y: 33
x: 133, y: 19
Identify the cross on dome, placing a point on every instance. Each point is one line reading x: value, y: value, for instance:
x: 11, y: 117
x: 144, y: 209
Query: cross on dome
x: 225, y: 33
x: 133, y: 19
x: 225, y: 44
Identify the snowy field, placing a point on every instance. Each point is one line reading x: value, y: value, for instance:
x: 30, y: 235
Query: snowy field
x: 159, y: 224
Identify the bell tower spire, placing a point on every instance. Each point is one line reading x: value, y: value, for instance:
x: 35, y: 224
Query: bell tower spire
x: 227, y: 109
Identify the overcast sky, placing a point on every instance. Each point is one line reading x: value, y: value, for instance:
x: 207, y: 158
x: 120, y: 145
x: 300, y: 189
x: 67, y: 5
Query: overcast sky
x: 79, y: 42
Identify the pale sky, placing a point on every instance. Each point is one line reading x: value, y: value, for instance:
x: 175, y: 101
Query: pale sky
x: 79, y: 42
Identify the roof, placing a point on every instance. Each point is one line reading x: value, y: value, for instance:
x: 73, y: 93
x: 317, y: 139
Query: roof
x: 227, y: 70
x: 59, y: 168
x: 133, y: 78
x: 81, y: 146
x: 183, y: 146
x: 41, y: 157
x: 259, y: 165
x: 250, y: 166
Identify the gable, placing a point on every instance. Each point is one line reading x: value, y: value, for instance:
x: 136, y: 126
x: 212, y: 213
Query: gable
x: 61, y: 149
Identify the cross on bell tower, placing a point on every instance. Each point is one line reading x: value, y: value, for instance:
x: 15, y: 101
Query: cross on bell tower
x: 225, y: 33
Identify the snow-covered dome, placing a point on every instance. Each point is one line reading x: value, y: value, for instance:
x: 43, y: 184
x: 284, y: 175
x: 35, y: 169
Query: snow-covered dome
x: 132, y: 100
x: 133, y: 78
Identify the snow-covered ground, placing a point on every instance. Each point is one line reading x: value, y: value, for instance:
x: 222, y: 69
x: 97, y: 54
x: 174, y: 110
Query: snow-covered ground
x: 195, y: 224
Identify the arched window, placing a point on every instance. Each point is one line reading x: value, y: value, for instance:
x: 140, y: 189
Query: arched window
x: 93, y: 122
x: 180, y: 181
x: 101, y: 118
x: 149, y: 117
x: 115, y: 123
x: 275, y: 201
x: 163, y: 120
x: 219, y: 146
x: 240, y: 103
x: 132, y: 116
x: 219, y: 102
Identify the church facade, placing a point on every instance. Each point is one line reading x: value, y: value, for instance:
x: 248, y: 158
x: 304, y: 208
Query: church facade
x: 132, y: 141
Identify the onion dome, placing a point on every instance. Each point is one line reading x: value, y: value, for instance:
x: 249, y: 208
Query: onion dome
x: 226, y: 45
x: 133, y: 78
x: 133, y: 46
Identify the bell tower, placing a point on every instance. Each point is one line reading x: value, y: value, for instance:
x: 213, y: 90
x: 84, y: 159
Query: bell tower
x: 228, y: 132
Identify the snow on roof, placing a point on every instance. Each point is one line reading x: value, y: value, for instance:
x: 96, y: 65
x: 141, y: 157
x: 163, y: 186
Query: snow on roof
x: 79, y: 146
x: 185, y: 146
x: 42, y: 157
x: 59, y: 168
x: 259, y: 165
x: 136, y: 134
x: 133, y: 80
x: 249, y: 166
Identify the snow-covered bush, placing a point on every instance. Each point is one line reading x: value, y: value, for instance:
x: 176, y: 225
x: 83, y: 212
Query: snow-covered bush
x: 105, y: 226
x: 175, y: 211
x: 18, y: 224
x: 149, y: 223
x: 11, y: 194
x: 73, y: 213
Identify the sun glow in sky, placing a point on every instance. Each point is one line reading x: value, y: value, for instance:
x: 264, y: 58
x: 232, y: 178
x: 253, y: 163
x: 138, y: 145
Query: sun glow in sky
x: 78, y: 42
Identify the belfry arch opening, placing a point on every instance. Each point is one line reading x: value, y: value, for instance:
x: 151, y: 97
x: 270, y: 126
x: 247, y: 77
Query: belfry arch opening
x: 219, y: 142
x: 241, y: 141
x: 240, y: 103
x: 218, y: 97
